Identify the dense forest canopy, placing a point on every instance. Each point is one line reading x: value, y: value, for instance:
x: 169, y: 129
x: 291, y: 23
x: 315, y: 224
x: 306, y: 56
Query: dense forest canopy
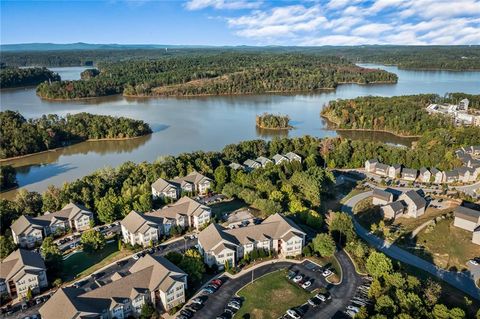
x: 404, y: 115
x: 15, y: 77
x: 20, y: 136
x: 226, y: 73
x: 408, y: 57
x: 273, y: 121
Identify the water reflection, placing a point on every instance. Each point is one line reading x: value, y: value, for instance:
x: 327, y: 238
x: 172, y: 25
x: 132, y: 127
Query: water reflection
x: 266, y: 133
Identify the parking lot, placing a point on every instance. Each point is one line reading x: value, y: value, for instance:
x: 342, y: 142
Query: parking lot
x: 340, y: 294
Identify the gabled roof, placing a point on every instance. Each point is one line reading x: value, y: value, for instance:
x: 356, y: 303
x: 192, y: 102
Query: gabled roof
x: 251, y: 163
x: 292, y: 156
x: 373, y: 161
x: 378, y: 193
x: 24, y: 222
x: 452, y: 173
x: 396, y: 166
x: 194, y: 178
x: 160, y: 185
x: 382, y: 167
x: 236, y: 166
x: 184, y: 206
x: 263, y: 160
x: 424, y: 170
x: 418, y: 200
x: 17, y: 261
x: 396, y: 206
x: 274, y: 227
x: 434, y: 171
x: 466, y: 213
x: 136, y: 222
x: 278, y: 157
x: 146, y: 275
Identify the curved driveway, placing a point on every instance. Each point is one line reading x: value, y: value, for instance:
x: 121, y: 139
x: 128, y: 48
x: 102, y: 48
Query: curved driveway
x: 460, y: 280
x: 341, y: 294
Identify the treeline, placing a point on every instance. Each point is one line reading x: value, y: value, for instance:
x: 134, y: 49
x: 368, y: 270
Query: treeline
x: 407, y: 57
x: 455, y: 98
x: 273, y: 121
x: 112, y: 193
x: 20, y: 136
x: 15, y: 77
x: 214, y: 74
x: 435, y: 148
x: 403, y: 115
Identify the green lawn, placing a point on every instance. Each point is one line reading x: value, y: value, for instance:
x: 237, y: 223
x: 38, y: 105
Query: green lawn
x: 447, y: 245
x: 271, y: 296
x: 219, y: 209
x: 81, y: 261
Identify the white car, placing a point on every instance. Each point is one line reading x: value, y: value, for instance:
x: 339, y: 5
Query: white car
x: 351, y: 313
x: 473, y: 262
x: 321, y: 297
x: 136, y: 257
x: 327, y: 272
x: 234, y: 305
x: 306, y: 284
x: 353, y: 308
x: 293, y: 314
x: 298, y: 278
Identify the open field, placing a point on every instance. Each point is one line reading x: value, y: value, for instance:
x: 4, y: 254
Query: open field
x: 270, y: 296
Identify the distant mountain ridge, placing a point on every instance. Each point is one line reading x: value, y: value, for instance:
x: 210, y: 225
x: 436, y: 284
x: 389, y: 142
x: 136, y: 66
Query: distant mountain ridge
x: 87, y: 46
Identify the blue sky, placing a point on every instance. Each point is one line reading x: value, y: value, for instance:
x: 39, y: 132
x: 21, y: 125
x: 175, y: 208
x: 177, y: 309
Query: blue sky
x: 242, y: 22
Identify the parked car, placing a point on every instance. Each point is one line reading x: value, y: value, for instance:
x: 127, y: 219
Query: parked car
x: 217, y: 282
x: 298, y: 278
x: 473, y: 262
x: 293, y: 314
x: 306, y: 284
x: 314, y: 302
x: 234, y: 305
x: 321, y: 297
x: 136, y: 257
x: 353, y: 308
x: 187, y: 313
x: 195, y: 306
x: 198, y: 300
x: 327, y: 272
x: 291, y: 274
x: 208, y: 290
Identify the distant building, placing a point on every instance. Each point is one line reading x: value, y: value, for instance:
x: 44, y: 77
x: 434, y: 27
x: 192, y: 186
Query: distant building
x: 293, y: 157
x: 450, y: 176
x: 381, y: 197
x: 393, y: 210
x: 263, y: 161
x: 370, y: 165
x: 251, y: 164
x: 425, y: 175
x: 381, y: 169
x: 29, y: 231
x: 192, y: 183
x: 20, y: 271
x: 415, y: 204
x: 236, y: 166
x: 437, y: 175
x: 394, y: 171
x: 150, y: 280
x: 279, y: 159
x: 409, y: 174
x: 468, y: 219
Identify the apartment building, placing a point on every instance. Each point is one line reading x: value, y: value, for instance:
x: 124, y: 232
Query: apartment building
x: 29, y: 231
x: 143, y: 229
x: 20, y: 271
x: 192, y: 183
x: 276, y: 233
x: 152, y: 279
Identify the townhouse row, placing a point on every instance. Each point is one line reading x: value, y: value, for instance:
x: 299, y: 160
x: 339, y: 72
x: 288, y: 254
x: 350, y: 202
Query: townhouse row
x: 262, y: 161
x: 147, y: 228
x: 150, y: 280
x: 29, y: 232
x: 468, y: 218
x: 277, y: 233
x: 464, y: 174
x: 409, y: 204
x: 193, y: 183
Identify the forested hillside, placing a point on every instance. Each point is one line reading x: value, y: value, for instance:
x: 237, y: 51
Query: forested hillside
x: 403, y: 115
x: 20, y: 136
x: 15, y: 77
x: 407, y: 57
x: 227, y: 73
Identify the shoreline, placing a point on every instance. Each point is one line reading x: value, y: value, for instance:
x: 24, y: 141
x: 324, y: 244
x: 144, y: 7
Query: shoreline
x: 368, y: 130
x: 275, y: 128
x: 61, y: 147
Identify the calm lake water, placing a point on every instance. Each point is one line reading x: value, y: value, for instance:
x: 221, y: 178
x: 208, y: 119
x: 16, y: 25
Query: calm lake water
x: 203, y: 123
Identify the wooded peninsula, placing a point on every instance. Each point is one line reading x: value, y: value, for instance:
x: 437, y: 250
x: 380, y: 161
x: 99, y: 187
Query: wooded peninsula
x: 22, y: 137
x: 217, y: 74
x: 15, y: 77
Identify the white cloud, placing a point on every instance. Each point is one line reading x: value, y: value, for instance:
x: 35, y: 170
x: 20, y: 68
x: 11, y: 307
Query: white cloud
x: 354, y: 22
x: 222, y: 4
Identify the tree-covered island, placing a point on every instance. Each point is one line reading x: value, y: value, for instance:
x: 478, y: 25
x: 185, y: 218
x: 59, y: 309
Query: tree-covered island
x: 273, y: 121
x: 224, y: 73
x: 11, y: 77
x: 20, y: 136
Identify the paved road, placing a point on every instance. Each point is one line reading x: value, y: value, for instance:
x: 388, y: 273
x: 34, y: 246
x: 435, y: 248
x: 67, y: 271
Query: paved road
x: 341, y: 294
x: 462, y: 281
x: 469, y: 189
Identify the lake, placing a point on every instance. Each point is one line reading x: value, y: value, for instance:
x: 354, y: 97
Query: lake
x: 202, y: 123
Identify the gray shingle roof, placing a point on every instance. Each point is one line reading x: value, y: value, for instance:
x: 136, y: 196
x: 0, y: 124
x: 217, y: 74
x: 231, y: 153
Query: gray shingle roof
x: 466, y: 213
